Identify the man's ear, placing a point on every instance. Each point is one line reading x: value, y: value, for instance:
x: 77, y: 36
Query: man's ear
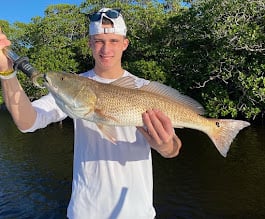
x: 125, y: 44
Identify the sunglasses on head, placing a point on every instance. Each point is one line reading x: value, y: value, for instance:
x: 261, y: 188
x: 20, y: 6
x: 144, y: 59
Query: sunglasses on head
x: 112, y: 13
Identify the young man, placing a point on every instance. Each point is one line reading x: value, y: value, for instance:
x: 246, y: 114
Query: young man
x: 109, y: 181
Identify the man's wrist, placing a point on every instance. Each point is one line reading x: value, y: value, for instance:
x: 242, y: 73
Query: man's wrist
x: 8, y: 74
x: 173, y: 152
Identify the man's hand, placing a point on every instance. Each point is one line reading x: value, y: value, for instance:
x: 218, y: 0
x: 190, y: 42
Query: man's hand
x: 159, y: 133
x: 5, y: 63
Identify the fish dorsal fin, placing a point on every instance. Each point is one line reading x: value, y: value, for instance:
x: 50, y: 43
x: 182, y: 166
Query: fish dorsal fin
x: 127, y: 82
x: 168, y: 92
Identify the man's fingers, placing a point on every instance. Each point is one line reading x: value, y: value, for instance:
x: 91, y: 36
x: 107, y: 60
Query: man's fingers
x: 164, y: 121
x: 153, y: 125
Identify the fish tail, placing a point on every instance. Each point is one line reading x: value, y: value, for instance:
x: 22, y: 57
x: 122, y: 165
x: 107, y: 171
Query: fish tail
x: 224, y: 133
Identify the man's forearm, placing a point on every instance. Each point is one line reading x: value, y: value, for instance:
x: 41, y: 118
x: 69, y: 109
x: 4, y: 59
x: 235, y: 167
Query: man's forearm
x: 18, y: 104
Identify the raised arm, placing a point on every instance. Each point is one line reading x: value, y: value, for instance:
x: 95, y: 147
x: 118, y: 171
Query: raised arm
x: 15, y: 98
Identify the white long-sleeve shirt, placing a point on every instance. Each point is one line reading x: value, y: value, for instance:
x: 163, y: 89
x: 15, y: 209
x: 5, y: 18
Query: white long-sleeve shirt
x: 110, y: 181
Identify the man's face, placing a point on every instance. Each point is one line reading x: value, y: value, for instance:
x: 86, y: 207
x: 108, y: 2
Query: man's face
x: 107, y: 49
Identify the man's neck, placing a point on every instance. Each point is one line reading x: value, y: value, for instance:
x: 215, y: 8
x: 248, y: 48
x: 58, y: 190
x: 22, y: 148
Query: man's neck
x: 109, y: 74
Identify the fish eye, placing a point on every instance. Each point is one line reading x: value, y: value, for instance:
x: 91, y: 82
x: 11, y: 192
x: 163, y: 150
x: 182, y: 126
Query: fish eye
x: 62, y: 78
x: 217, y: 124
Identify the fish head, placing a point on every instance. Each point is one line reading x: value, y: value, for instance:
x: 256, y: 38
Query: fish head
x: 72, y: 93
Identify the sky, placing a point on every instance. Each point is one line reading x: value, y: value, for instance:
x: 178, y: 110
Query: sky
x: 24, y: 10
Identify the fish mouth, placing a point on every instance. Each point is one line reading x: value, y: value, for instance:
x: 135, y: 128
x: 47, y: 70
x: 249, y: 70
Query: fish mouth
x: 48, y: 83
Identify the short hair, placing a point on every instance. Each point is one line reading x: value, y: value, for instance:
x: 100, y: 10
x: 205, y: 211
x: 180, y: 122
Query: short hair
x: 106, y: 21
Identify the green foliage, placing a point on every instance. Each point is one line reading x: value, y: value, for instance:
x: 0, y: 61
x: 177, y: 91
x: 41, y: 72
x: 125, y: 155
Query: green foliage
x: 32, y: 91
x: 212, y: 50
x: 217, y: 55
x: 147, y: 69
x: 1, y: 100
x: 238, y: 33
x: 57, y: 38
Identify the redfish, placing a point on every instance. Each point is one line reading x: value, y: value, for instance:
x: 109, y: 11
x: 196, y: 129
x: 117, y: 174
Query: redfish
x: 121, y: 103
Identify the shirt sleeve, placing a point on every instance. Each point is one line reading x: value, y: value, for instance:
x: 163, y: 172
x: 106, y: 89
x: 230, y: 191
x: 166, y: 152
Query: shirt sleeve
x: 47, y: 113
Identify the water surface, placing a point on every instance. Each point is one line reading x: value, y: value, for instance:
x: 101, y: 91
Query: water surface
x: 36, y: 174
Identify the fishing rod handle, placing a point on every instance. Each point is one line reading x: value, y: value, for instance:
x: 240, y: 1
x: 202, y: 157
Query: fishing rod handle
x: 21, y: 63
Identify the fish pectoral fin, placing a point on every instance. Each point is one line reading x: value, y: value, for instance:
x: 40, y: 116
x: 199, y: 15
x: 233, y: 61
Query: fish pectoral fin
x: 108, y: 131
x: 100, y: 114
